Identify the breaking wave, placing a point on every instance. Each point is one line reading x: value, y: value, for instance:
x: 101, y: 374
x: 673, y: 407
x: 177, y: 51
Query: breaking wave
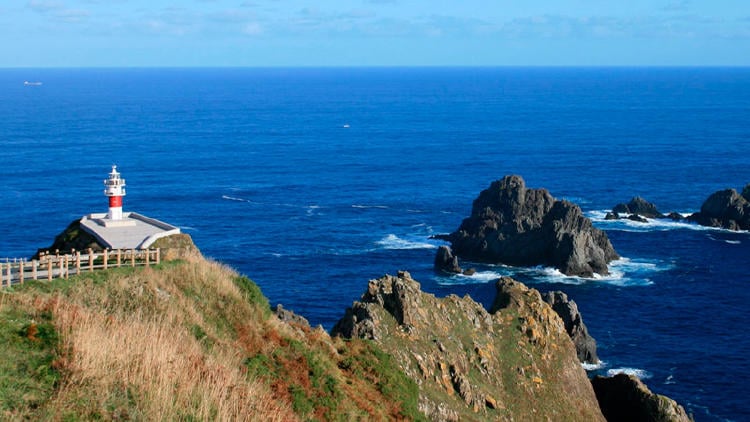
x: 394, y: 242
x: 640, y: 373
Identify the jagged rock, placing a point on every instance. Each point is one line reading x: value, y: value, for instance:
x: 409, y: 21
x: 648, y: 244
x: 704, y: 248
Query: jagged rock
x: 612, y: 216
x: 625, y: 398
x: 513, y: 225
x: 568, y: 311
x: 471, y: 364
x: 639, y: 206
x: 675, y: 216
x: 470, y: 271
x: 446, y: 261
x: 290, y: 317
x: 725, y: 208
x: 746, y: 192
x: 637, y: 218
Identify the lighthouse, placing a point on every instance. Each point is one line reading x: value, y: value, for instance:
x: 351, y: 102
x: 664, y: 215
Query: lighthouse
x: 114, y: 188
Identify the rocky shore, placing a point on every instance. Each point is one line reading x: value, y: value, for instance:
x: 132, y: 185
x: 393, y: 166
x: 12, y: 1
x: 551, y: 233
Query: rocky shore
x: 519, y: 360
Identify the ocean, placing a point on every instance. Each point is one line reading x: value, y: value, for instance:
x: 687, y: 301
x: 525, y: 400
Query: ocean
x: 311, y: 181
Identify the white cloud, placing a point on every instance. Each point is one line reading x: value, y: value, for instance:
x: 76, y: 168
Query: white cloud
x: 252, y: 28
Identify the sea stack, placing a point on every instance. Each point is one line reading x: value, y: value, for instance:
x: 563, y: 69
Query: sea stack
x: 726, y: 209
x: 511, y: 224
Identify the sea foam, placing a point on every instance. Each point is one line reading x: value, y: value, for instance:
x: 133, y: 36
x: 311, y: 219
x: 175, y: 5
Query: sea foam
x: 394, y: 242
x: 640, y: 373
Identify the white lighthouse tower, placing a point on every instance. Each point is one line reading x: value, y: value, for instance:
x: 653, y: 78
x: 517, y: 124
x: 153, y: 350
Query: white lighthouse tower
x: 115, y: 190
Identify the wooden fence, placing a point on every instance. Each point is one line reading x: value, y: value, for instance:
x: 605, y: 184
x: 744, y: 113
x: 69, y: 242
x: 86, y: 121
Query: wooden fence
x: 49, y: 266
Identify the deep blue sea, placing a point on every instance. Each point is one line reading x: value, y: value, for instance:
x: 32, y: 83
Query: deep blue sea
x: 313, y: 181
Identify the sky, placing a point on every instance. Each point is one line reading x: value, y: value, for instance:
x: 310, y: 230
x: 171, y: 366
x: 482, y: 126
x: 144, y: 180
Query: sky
x: 138, y: 33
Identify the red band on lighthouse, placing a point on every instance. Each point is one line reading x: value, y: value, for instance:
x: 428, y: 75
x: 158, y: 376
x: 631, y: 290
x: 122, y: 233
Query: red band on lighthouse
x: 115, y: 201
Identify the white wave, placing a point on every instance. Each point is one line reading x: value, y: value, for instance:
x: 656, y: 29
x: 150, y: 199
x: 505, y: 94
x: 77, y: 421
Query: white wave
x: 651, y: 224
x: 622, y: 272
x: 731, y: 242
x: 640, y: 373
x: 311, y: 210
x: 394, y: 242
x: 594, y: 366
x: 233, y: 198
x: 382, y: 207
x: 188, y: 228
x: 479, y: 277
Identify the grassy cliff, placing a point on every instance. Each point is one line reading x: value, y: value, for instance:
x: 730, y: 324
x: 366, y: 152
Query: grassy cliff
x: 186, y: 340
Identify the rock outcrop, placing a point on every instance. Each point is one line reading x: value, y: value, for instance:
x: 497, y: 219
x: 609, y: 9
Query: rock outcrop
x: 638, y: 206
x: 515, y: 362
x: 576, y: 329
x: 447, y: 262
x: 625, y: 398
x: 513, y: 225
x: 73, y: 238
x: 727, y: 209
x: 290, y: 317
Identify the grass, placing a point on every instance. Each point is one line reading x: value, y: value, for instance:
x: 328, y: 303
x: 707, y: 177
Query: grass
x: 28, y: 376
x: 184, y: 340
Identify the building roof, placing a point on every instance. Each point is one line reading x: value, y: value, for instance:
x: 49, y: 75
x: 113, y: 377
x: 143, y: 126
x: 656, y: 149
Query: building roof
x: 134, y: 231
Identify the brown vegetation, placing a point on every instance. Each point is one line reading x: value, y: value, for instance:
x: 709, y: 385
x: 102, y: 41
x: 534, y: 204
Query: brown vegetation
x: 189, y: 339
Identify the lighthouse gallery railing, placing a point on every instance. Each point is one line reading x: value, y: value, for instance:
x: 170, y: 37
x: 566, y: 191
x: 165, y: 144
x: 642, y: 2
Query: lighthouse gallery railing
x: 49, y: 266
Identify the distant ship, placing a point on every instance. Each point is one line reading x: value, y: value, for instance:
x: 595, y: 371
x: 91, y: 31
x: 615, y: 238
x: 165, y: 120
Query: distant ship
x: 27, y: 83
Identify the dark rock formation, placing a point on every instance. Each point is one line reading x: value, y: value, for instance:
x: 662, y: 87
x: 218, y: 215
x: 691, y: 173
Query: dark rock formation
x: 638, y: 206
x: 727, y: 209
x: 675, y: 216
x: 625, y: 398
x: 514, y: 363
x: 513, y: 225
x: 637, y: 218
x: 290, y: 317
x: 73, y: 238
x: 568, y: 311
x: 746, y: 192
x: 446, y: 261
x: 612, y: 216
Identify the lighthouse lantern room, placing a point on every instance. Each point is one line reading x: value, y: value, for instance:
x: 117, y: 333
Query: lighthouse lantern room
x: 115, y: 190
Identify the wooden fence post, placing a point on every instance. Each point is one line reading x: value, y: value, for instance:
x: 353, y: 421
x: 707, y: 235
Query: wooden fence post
x: 78, y: 262
x: 106, y: 258
x: 49, y: 268
x: 21, y: 271
x: 91, y: 260
x: 132, y: 258
x: 158, y: 256
x: 148, y: 256
x: 60, y: 264
x: 119, y: 258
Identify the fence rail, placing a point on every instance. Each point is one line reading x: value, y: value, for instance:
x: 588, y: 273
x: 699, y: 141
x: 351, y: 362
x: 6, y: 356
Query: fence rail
x: 49, y: 266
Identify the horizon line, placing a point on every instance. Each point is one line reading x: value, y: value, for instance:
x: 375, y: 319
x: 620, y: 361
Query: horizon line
x: 389, y: 66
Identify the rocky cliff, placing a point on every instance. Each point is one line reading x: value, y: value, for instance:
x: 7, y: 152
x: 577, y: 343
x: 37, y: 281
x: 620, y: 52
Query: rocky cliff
x: 514, y: 362
x: 625, y: 398
x: 514, y: 225
x: 574, y: 326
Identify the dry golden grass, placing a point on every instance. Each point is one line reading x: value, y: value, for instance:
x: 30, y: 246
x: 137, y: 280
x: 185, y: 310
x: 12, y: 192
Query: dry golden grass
x: 165, y: 369
x: 127, y: 350
x: 195, y: 341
